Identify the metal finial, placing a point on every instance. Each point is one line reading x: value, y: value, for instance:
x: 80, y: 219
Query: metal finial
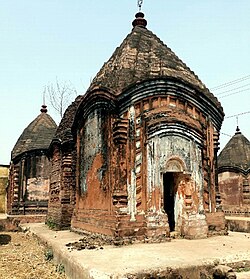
x: 44, y: 107
x: 237, y: 128
x: 44, y: 95
x: 139, y: 3
x: 139, y: 20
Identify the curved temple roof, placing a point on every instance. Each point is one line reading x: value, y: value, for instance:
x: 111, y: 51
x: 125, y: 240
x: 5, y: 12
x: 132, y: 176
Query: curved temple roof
x: 236, y: 153
x: 37, y: 135
x: 141, y: 56
x: 63, y: 132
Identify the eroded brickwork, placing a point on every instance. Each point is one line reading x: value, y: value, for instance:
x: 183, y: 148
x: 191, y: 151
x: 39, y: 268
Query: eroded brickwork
x: 146, y: 139
x: 235, y: 193
x: 63, y: 172
x: 157, y: 142
x: 28, y: 189
x: 234, y: 176
x: 29, y: 177
x: 62, y: 187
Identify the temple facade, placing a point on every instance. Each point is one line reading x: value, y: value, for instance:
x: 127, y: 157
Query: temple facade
x: 29, y: 175
x: 136, y: 156
x: 234, y: 176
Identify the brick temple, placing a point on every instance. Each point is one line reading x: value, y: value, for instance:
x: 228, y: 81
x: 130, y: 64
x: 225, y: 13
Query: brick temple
x: 234, y: 176
x: 136, y: 156
x: 29, y: 175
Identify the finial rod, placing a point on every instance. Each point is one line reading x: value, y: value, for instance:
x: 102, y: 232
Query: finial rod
x: 44, y: 95
x: 44, y: 107
x: 139, y: 3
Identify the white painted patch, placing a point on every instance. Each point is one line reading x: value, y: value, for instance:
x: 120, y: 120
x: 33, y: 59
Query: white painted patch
x: 162, y: 149
x: 138, y: 144
x: 132, y: 197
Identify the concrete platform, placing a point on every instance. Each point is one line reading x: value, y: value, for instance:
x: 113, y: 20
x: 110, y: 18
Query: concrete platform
x: 243, y: 275
x: 130, y: 261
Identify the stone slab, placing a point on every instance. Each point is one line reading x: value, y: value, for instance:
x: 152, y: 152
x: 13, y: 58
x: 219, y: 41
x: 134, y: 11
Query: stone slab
x: 118, y: 262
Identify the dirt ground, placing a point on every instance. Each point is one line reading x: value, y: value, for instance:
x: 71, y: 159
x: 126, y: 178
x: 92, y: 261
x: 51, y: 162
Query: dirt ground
x: 23, y: 257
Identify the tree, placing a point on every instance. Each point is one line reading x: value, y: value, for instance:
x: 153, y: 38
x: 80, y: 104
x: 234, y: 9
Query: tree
x: 61, y: 94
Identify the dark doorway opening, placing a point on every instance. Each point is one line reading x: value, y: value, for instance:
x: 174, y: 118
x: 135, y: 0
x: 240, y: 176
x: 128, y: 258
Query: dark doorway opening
x: 169, y: 191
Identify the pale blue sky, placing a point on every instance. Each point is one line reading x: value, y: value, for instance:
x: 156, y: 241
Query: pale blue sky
x: 71, y: 39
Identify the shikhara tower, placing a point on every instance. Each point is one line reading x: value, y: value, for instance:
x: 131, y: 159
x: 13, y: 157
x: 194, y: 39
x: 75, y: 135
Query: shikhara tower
x: 141, y: 148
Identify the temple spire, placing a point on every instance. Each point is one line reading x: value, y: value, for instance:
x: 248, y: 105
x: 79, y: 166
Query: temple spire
x: 237, y: 130
x: 44, y: 107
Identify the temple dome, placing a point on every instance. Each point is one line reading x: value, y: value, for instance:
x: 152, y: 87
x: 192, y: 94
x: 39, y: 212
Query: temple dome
x: 37, y: 135
x: 143, y: 56
x: 236, y: 153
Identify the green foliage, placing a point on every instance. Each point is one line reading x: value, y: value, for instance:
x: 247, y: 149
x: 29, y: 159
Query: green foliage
x: 242, y: 269
x: 60, y: 268
x: 48, y: 254
x: 51, y: 224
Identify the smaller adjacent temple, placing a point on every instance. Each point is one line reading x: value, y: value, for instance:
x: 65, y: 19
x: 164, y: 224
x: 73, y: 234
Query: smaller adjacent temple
x: 29, y: 176
x: 234, y: 176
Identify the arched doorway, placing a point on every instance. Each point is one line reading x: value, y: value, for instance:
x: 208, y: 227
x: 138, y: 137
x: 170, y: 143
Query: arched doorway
x: 171, y: 178
x: 169, y: 193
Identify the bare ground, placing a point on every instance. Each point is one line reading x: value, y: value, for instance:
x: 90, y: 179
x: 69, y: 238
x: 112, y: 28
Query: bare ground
x: 23, y: 257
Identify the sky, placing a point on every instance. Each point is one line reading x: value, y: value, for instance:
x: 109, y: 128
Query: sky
x: 69, y: 40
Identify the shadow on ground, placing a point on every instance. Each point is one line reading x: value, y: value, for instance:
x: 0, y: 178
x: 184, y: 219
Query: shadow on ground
x: 4, y: 239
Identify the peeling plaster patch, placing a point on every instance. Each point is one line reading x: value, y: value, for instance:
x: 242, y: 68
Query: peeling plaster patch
x: 138, y: 158
x: 131, y: 113
x: 138, y: 169
x: 138, y: 144
x: 123, y: 210
x: 132, y: 185
x: 160, y: 150
x: 132, y: 197
x: 178, y: 208
x: 91, y: 144
x: 37, y: 189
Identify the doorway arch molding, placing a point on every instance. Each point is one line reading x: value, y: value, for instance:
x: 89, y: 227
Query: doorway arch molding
x: 174, y: 164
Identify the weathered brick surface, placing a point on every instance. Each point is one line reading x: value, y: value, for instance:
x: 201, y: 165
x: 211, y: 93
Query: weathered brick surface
x: 234, y: 176
x: 216, y: 223
x: 28, y: 189
x: 146, y: 140
x: 63, y: 171
x: 30, y: 168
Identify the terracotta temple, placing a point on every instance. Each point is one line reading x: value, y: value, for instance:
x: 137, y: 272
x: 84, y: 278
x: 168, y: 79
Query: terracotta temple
x: 29, y: 176
x: 136, y: 156
x: 234, y: 176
